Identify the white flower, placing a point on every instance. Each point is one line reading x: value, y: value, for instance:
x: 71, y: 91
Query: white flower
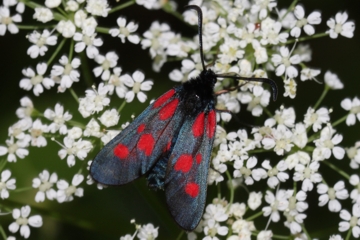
x: 313, y: 19
x: 44, y: 183
x: 58, y: 118
x: 36, y: 81
x: 72, y: 148
x: 36, y: 131
x: 110, y: 118
x: 40, y: 41
x: 256, y: 101
x: 18, y: 129
x: 354, y: 108
x: 216, y: 212
x: 300, y: 138
x: 271, y: 33
x: 26, y: 108
x: 352, y: 222
x: 89, y: 42
x: 137, y: 83
x: 66, y: 28
x: 125, y: 31
x: 147, y: 232
x: 316, y: 119
x: 290, y: 88
x: 66, y: 72
x: 333, y: 81
x: 6, y: 184
x: 340, y: 26
x: 93, y: 129
x: 97, y: 7
x: 14, y: 149
x: 327, y: 144
x: 212, y: 228
x: 94, y: 101
x: 115, y: 82
x: 298, y: 157
x: 353, y: 154
x: 66, y: 191
x: 331, y: 195
x: 281, y: 140
x: 265, y: 235
x: 263, y: 7
x: 355, y: 193
x: 275, y: 174
x: 285, y: 63
x: 254, y: 200
x: 74, y: 133
x: 52, y: 3
x: 7, y: 22
x: 285, y: 116
x: 106, y: 62
x: 22, y: 221
x: 278, y: 202
x: 149, y: 4
x: 72, y: 5
x: 247, y: 172
x: 309, y: 74
x: 43, y: 15
x: 308, y: 175
x: 157, y: 38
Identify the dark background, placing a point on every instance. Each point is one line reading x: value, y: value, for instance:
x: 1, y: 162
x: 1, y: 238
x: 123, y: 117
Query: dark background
x: 106, y: 214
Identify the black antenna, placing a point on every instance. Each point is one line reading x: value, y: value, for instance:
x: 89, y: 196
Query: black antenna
x: 200, y: 17
x: 269, y: 81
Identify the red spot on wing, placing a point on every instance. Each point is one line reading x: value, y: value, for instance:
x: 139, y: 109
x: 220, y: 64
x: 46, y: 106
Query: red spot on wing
x: 141, y: 128
x: 198, y: 158
x: 192, y: 189
x: 161, y: 100
x: 211, y: 124
x: 184, y: 163
x: 121, y: 151
x: 168, y: 145
x: 168, y: 110
x: 198, y: 126
x: 146, y: 143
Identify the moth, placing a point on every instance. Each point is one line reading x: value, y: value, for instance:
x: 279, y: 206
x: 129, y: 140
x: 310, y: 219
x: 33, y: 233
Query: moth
x: 170, y: 143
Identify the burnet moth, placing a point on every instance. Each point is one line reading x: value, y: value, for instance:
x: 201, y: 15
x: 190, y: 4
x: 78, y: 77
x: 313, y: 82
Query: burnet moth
x: 170, y: 143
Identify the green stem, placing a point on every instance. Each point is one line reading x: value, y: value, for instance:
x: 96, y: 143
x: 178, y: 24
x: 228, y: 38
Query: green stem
x: 348, y: 235
x: 280, y: 237
x: 74, y: 95
x: 319, y: 35
x: 103, y: 30
x: 167, y: 8
x: 33, y: 27
x: 341, y: 172
x: 56, y: 51
x: 291, y: 8
x: 231, y: 188
x: 260, y: 151
x: 121, y: 106
x: 337, y: 122
x: 305, y: 231
x: 180, y: 235
x: 2, y: 164
x: 268, y: 112
x: 71, y: 50
x: 77, y: 124
x: 2, y: 232
x: 254, y: 216
x: 85, y: 70
x: 122, y: 6
x: 317, y: 104
x: 22, y: 189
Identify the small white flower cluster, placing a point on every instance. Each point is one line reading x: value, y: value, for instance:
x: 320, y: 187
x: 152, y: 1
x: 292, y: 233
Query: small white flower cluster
x: 65, y: 193
x: 143, y: 232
